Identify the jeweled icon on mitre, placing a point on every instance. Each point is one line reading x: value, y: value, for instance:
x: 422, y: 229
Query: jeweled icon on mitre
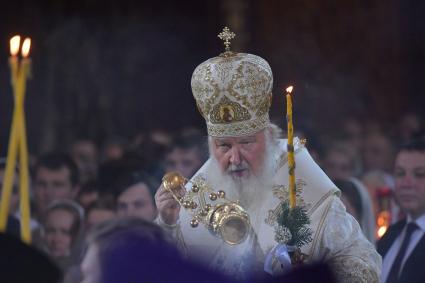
x: 227, y: 114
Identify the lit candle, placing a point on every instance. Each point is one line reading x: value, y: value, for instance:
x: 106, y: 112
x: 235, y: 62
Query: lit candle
x: 290, y: 148
x: 23, y: 148
x: 18, y: 141
x: 383, y: 221
x: 13, y: 138
x: 13, y: 60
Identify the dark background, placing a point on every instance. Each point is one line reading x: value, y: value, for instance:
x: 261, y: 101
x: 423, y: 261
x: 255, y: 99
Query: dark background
x: 104, y: 68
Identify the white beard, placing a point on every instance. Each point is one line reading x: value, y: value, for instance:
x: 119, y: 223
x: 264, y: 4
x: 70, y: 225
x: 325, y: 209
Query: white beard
x: 249, y: 191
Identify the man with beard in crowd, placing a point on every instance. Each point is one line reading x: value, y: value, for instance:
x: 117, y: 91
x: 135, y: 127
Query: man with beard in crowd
x: 248, y: 160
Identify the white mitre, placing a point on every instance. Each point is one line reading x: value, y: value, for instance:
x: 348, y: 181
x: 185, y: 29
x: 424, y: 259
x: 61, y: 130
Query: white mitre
x: 233, y: 93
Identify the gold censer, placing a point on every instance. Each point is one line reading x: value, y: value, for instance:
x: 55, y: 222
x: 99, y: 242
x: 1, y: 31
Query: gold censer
x: 224, y: 218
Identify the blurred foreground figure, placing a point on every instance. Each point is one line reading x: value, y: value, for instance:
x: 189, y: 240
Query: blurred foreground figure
x: 315, y: 273
x: 403, y: 245
x: 248, y: 161
x: 22, y: 263
x: 134, y: 250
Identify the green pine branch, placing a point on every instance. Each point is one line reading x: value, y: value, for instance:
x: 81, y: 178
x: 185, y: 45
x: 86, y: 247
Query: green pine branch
x: 296, y: 221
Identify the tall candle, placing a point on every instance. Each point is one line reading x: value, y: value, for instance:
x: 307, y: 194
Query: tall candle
x: 13, y: 138
x: 290, y: 148
x: 23, y: 147
x: 18, y: 141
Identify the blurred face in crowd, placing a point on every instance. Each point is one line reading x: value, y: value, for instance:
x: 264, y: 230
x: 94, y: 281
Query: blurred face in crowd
x: 112, y: 151
x: 409, y: 124
x: 353, y: 128
x: 51, y: 185
x: 14, y: 197
x: 337, y: 165
x: 240, y: 157
x: 90, y: 267
x: 374, y: 181
x: 84, y: 153
x: 87, y: 198
x: 184, y: 161
x: 136, y: 201
x: 97, y: 216
x: 409, y: 173
x: 377, y: 153
x: 58, y: 233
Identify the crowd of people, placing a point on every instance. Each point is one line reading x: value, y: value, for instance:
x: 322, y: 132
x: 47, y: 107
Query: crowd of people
x: 80, y: 188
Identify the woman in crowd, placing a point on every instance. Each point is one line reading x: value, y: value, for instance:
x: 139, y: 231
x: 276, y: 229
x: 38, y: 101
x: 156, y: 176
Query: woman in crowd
x: 62, y: 229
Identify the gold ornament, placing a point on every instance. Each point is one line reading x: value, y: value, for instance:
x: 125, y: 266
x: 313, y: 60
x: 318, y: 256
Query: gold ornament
x: 193, y: 205
x: 213, y: 196
x: 225, y: 219
x: 226, y: 35
x: 194, y: 223
x: 187, y: 204
x: 195, y: 188
x: 173, y: 181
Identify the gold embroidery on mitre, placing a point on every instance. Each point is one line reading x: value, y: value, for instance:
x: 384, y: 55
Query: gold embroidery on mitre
x: 264, y: 106
x: 237, y: 129
x: 205, y: 89
x: 227, y: 111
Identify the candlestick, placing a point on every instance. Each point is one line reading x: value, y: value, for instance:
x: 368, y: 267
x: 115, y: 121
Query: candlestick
x: 290, y: 148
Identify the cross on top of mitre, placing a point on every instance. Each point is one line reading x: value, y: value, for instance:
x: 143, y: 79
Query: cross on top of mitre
x: 226, y: 35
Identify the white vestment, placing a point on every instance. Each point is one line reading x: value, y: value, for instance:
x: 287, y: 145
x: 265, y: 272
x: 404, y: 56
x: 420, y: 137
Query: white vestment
x: 337, y: 237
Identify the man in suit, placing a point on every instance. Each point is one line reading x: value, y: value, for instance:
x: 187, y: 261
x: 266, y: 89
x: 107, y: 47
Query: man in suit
x: 403, y: 246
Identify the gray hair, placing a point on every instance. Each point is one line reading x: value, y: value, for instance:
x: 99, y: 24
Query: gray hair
x: 272, y: 132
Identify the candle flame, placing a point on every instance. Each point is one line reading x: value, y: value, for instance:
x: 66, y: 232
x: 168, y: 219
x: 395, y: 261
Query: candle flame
x: 381, y: 231
x: 26, y: 47
x: 289, y: 89
x: 14, y: 45
x: 383, y: 222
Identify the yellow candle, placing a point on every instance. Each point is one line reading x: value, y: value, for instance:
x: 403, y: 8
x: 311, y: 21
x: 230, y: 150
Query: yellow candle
x: 18, y: 143
x: 8, y: 175
x: 23, y: 148
x: 290, y: 148
x: 13, y: 139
